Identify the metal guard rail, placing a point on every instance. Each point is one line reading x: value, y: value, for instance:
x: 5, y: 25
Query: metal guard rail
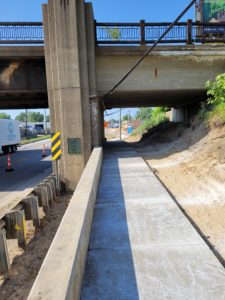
x: 147, y: 33
x: 122, y: 33
x: 21, y: 33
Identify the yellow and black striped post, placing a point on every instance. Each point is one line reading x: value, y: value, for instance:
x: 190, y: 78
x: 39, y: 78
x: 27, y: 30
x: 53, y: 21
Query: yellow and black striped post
x: 56, y: 146
x: 56, y: 155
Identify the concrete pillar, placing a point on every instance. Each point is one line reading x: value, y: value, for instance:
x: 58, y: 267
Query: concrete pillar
x: 68, y: 84
x: 96, y: 110
x: 178, y: 115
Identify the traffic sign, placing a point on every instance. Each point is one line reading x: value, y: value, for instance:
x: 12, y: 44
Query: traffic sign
x: 56, y: 146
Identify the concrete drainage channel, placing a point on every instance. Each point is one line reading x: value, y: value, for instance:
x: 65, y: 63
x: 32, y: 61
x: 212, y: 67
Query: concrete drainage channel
x: 13, y: 223
x: 61, y: 273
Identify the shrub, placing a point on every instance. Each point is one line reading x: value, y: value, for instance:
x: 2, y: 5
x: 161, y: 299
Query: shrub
x: 158, y: 116
x: 216, y: 90
x: 213, y: 112
x: 216, y: 117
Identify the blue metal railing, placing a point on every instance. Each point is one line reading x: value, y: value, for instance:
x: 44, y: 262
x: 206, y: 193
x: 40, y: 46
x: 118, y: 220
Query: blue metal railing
x: 147, y: 33
x: 21, y: 33
x: 122, y: 33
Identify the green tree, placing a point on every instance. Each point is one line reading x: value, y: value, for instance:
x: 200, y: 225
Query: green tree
x: 126, y: 117
x: 4, y: 116
x: 47, y: 118
x: 143, y: 113
x: 31, y: 117
x: 21, y: 117
x: 35, y: 117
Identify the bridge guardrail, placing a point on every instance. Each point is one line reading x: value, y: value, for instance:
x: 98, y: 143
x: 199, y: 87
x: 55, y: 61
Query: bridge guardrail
x: 21, y: 33
x: 141, y: 33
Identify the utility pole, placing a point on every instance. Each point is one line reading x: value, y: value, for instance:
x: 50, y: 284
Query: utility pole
x: 45, y: 121
x: 120, y: 124
x: 26, y: 123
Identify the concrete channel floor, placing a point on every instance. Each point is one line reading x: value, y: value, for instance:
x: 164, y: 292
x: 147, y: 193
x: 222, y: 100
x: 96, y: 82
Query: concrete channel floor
x: 142, y: 246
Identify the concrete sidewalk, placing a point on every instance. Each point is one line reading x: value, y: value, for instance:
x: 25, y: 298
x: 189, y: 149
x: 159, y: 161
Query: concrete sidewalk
x: 142, y: 246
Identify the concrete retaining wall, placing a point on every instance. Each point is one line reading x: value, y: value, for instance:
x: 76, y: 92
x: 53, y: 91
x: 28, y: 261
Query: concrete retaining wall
x: 61, y: 274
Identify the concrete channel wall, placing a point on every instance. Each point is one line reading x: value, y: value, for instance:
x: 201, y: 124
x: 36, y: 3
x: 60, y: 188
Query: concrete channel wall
x: 61, y: 273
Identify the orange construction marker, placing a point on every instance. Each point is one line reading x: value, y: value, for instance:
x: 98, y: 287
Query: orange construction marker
x: 9, y: 166
x: 43, y: 152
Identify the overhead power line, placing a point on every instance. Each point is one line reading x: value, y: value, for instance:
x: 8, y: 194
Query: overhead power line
x: 115, y: 112
x: 148, y: 51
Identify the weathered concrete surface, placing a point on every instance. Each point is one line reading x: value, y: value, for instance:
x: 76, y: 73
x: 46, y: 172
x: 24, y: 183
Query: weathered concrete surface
x: 142, y: 246
x: 170, y: 76
x: 61, y: 274
x: 97, y: 119
x: 68, y: 84
x: 18, y: 52
x: 23, y: 81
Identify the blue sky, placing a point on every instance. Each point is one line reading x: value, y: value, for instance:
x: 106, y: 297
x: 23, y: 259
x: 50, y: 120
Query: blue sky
x: 104, y: 10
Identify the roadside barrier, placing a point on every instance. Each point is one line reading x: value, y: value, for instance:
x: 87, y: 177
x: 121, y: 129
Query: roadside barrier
x: 13, y: 223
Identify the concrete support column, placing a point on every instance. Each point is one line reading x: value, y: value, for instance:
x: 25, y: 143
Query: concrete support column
x: 68, y: 84
x: 178, y: 115
x: 96, y: 110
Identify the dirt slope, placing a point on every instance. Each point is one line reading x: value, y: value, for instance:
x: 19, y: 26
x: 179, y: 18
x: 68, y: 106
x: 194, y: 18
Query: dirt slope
x: 191, y: 164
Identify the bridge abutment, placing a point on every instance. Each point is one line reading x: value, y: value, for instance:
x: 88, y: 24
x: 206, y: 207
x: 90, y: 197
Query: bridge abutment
x: 68, y: 84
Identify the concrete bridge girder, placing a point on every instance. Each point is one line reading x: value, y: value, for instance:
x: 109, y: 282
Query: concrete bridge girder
x: 169, y: 76
x: 23, y: 82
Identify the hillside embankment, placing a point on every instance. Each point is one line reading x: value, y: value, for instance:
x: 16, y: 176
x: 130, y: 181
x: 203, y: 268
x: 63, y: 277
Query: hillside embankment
x: 190, y: 162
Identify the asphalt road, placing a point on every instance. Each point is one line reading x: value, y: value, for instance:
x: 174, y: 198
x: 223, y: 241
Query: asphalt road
x: 29, y: 168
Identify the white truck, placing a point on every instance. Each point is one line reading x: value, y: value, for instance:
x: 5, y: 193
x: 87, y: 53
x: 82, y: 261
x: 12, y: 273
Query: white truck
x: 9, y: 136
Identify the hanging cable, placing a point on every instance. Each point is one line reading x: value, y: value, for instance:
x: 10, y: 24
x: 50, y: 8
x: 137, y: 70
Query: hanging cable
x: 148, y: 51
x: 115, y: 112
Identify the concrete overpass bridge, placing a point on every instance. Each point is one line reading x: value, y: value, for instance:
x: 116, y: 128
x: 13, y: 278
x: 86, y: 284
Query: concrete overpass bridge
x: 141, y: 244
x: 74, y: 61
x: 172, y: 76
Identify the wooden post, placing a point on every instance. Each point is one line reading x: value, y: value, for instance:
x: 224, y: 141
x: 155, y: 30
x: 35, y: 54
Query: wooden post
x: 16, y: 226
x: 49, y: 190
x: 189, y: 32
x: 52, y: 182
x: 30, y: 205
x: 42, y: 193
x: 142, y: 32
x: 21, y: 228
x: 53, y: 177
x: 4, y: 254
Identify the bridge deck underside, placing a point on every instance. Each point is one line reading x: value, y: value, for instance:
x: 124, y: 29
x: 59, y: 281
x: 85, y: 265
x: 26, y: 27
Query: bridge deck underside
x: 169, y: 98
x: 171, y: 76
x: 23, y: 99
